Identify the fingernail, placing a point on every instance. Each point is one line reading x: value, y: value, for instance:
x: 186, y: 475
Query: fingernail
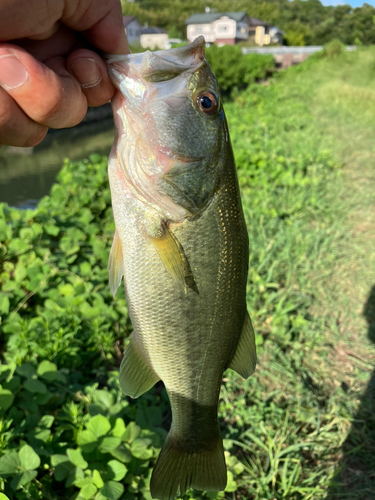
x: 86, y: 71
x: 13, y: 73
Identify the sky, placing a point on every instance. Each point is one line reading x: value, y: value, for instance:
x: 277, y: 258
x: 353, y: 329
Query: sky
x: 353, y: 3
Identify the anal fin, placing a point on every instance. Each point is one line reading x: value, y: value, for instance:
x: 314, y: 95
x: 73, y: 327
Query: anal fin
x: 136, y: 376
x: 244, y: 359
x: 115, y: 264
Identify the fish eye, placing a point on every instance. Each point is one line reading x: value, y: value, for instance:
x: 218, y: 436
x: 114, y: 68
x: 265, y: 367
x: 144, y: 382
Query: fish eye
x: 207, y: 102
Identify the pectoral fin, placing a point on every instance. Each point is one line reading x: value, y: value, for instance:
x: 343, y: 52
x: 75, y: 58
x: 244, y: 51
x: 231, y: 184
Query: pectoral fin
x: 115, y: 264
x: 136, y: 376
x: 244, y: 359
x: 174, y: 259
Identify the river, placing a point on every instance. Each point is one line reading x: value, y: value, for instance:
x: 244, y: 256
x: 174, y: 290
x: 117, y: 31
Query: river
x: 27, y: 175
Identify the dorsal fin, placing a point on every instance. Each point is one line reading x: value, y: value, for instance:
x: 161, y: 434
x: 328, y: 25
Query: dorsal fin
x: 115, y: 264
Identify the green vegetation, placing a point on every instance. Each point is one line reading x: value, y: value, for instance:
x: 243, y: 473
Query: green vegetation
x: 304, y: 149
x: 234, y: 70
x: 305, y: 22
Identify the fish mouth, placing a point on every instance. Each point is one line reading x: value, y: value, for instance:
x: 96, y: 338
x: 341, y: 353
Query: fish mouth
x: 161, y: 65
x: 196, y: 48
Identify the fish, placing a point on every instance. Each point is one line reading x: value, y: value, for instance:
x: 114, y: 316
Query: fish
x: 182, y: 248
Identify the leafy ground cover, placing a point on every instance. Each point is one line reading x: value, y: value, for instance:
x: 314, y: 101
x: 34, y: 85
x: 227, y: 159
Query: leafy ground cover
x: 303, y: 426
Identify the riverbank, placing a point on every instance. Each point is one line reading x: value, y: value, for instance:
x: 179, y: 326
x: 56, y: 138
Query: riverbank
x: 25, y: 177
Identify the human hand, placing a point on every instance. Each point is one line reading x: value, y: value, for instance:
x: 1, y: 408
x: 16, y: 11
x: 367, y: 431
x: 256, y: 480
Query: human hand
x: 49, y: 70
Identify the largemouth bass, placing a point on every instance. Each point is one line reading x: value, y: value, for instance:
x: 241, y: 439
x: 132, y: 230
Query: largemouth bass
x: 182, y: 246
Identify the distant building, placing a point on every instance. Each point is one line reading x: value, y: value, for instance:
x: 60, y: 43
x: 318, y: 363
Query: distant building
x: 223, y: 28
x: 262, y: 33
x: 276, y: 35
x: 132, y: 29
x: 228, y: 28
x: 153, y: 38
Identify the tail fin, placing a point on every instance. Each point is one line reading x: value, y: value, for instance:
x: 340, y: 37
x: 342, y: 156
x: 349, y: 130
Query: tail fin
x: 181, y: 469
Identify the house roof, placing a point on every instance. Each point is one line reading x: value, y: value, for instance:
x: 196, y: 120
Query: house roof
x: 210, y: 17
x: 254, y: 21
x: 153, y: 30
x: 128, y: 19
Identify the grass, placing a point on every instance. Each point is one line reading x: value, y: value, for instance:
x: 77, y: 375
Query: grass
x: 303, y: 426
x: 317, y: 383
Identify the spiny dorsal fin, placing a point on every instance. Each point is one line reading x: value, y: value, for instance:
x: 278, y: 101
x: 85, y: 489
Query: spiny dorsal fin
x: 115, y: 264
x: 245, y: 358
x: 174, y: 259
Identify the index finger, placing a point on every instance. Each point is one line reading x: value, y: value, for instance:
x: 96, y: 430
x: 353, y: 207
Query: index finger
x: 100, y: 22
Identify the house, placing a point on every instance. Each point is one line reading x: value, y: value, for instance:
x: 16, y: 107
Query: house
x: 276, y: 35
x: 132, y: 29
x: 223, y: 28
x: 262, y: 33
x: 153, y: 38
x: 228, y: 28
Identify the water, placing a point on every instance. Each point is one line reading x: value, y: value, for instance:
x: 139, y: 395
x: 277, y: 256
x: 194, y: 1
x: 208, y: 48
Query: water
x: 25, y: 178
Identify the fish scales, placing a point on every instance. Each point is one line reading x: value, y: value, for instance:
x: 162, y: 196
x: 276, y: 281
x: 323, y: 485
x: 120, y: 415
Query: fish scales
x: 185, y: 333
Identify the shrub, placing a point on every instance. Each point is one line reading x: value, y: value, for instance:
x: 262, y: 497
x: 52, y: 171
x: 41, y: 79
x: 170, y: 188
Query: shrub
x: 332, y: 49
x: 258, y: 67
x: 294, y: 38
x: 235, y: 70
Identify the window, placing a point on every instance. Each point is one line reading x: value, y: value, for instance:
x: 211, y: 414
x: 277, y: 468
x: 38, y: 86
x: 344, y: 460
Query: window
x: 243, y: 30
x: 222, y: 28
x: 198, y: 30
x: 130, y: 32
